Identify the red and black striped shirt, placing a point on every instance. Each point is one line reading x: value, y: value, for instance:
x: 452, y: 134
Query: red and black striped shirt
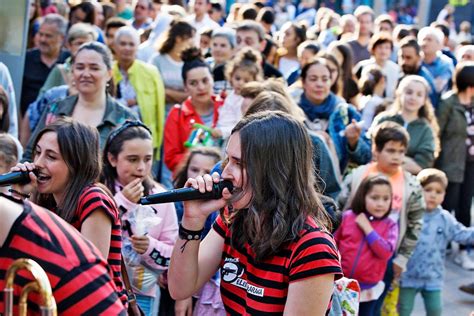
x: 249, y: 287
x: 94, y: 198
x: 79, y: 277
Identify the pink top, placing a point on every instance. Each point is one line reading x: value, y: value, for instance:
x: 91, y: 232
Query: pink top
x: 162, y: 230
x: 365, y: 258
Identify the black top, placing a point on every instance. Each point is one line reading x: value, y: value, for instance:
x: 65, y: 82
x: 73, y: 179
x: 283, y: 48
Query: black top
x: 34, y: 76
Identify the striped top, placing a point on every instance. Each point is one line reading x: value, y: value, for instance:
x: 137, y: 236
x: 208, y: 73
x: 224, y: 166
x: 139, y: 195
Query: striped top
x: 94, y: 198
x: 252, y: 288
x: 79, y: 277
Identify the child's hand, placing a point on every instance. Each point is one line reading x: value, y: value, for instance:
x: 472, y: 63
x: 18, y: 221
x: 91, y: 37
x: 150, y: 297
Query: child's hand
x: 216, y: 133
x: 397, y: 271
x: 163, y: 280
x: 352, y: 133
x: 184, y: 307
x: 140, y: 243
x: 134, y: 190
x: 363, y: 222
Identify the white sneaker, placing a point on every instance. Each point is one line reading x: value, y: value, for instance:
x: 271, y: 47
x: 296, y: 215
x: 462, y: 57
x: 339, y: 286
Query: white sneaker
x: 464, y: 260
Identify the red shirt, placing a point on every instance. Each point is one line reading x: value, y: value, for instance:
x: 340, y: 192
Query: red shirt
x: 78, y: 275
x: 92, y: 199
x: 250, y: 288
x: 178, y: 127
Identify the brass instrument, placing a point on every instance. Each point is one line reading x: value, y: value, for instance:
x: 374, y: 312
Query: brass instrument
x: 40, y: 284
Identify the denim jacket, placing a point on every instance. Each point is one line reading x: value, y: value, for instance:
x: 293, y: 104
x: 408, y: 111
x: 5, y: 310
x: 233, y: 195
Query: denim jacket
x: 425, y: 268
x: 339, y: 114
x: 115, y: 114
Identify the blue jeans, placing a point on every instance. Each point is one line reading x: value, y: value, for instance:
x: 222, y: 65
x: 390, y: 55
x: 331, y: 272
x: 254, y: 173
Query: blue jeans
x: 146, y: 304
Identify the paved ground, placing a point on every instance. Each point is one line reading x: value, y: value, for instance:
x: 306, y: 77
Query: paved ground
x: 456, y: 303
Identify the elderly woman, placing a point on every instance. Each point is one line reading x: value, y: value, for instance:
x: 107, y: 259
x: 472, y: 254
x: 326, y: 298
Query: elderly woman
x: 91, y: 71
x: 222, y: 46
x: 139, y: 85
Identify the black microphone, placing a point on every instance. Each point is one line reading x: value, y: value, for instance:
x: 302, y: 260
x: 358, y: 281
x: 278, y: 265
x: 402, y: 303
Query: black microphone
x: 187, y: 194
x: 15, y: 177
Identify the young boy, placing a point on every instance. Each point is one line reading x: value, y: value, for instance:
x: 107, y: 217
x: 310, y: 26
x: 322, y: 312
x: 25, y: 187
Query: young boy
x: 425, y: 269
x: 389, y: 145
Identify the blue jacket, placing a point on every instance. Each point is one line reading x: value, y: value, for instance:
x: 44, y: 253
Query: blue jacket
x: 338, y: 121
x: 425, y: 268
x: 339, y: 114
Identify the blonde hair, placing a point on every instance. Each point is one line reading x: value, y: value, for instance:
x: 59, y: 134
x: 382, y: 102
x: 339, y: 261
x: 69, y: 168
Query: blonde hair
x: 425, y: 112
x: 247, y: 59
x: 269, y: 100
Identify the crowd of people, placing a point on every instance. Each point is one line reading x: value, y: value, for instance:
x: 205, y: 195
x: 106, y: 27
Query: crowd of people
x: 348, y: 139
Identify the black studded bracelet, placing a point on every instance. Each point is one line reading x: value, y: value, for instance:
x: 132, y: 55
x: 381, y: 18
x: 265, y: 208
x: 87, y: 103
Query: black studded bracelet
x: 189, y: 235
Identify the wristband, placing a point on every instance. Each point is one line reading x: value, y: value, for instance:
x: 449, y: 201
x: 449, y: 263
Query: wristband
x: 189, y: 235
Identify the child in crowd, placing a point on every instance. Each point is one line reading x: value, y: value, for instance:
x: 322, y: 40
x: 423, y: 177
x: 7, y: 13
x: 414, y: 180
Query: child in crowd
x: 412, y: 109
x: 205, y: 35
x: 389, y: 146
x: 371, y: 87
x: 425, y: 269
x: 199, y: 161
x: 149, y: 232
x: 367, y: 239
x: 8, y: 155
x: 243, y: 68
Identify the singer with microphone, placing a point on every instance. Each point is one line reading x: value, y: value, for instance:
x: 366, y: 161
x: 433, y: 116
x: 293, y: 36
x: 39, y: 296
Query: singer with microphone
x: 64, y: 175
x: 271, y: 241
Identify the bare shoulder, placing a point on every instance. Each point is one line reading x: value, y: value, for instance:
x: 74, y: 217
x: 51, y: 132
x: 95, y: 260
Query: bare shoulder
x: 9, y: 212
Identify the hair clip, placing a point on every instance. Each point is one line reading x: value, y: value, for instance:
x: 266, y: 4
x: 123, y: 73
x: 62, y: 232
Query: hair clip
x: 124, y: 126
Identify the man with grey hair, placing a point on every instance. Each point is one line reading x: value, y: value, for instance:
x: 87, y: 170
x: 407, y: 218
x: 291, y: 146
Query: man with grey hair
x: 465, y: 53
x: 439, y: 65
x: 39, y: 61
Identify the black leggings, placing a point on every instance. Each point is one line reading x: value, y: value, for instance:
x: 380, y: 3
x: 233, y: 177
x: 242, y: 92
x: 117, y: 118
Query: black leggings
x: 459, y: 197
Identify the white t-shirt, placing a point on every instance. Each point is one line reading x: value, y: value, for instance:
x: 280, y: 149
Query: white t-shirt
x: 229, y: 114
x: 391, y: 72
x: 205, y: 22
x: 287, y: 66
x: 170, y: 71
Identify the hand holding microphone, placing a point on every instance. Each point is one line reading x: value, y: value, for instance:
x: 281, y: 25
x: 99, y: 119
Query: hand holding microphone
x: 22, y: 178
x: 20, y: 174
x: 203, y: 195
x: 197, y: 211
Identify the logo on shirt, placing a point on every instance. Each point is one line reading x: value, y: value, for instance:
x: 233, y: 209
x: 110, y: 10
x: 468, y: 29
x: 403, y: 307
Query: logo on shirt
x: 232, y: 272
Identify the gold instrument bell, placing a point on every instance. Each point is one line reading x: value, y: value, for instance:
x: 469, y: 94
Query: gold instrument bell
x: 40, y: 284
